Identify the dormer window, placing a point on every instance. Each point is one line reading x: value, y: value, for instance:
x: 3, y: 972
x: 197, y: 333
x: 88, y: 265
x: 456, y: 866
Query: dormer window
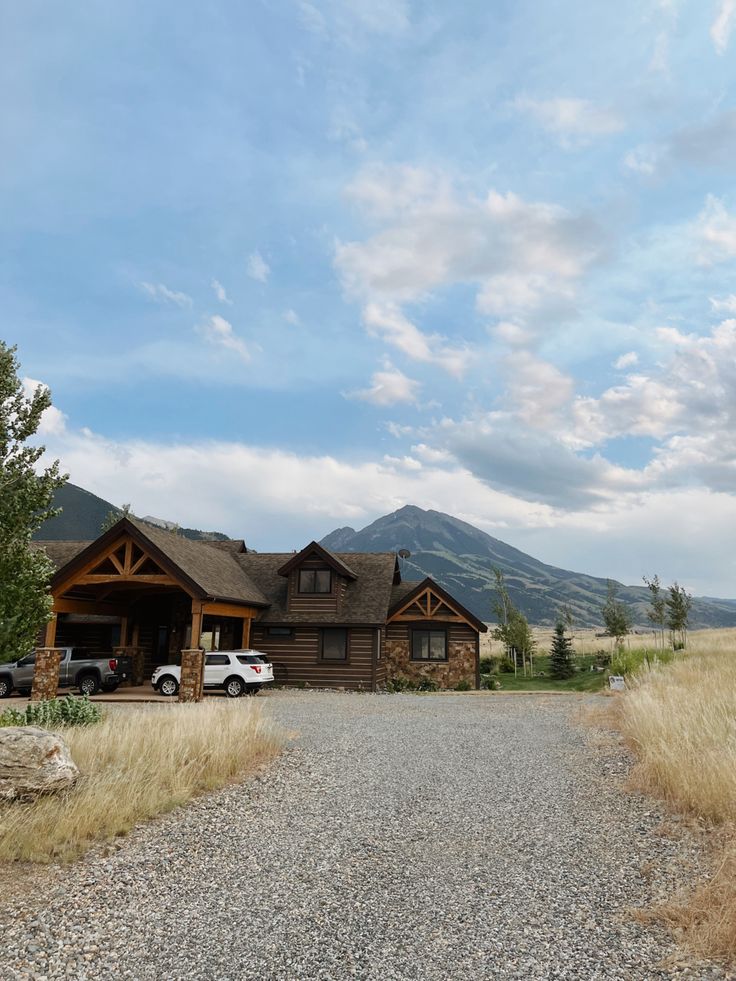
x: 315, y: 581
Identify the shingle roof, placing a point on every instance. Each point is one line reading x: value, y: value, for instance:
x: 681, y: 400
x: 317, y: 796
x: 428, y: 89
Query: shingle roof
x: 401, y: 590
x: 61, y: 552
x: 213, y: 570
x: 366, y: 599
x: 331, y: 558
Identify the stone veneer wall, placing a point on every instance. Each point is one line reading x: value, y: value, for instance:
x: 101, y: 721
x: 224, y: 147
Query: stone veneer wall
x: 46, y: 673
x: 461, y: 655
x: 191, y: 686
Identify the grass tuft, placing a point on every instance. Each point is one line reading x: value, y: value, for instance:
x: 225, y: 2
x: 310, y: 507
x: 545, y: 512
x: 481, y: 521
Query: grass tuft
x: 680, y: 719
x: 137, y: 763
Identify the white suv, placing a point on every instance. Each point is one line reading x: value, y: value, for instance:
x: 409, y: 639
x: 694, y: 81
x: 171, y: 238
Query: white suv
x: 234, y: 671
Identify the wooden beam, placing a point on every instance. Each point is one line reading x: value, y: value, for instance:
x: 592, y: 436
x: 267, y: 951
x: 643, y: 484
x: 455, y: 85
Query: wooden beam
x: 91, y: 580
x: 135, y: 639
x: 196, y: 625
x: 245, y: 643
x: 123, y: 631
x: 92, y: 606
x: 50, y: 636
x: 228, y: 610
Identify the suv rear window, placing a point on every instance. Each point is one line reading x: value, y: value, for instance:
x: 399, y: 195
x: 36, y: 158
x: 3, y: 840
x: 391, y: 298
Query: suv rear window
x: 250, y: 659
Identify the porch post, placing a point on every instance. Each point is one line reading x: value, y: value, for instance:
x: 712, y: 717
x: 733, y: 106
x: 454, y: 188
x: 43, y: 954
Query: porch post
x: 245, y: 643
x: 123, y: 631
x: 46, y: 673
x: 50, y: 634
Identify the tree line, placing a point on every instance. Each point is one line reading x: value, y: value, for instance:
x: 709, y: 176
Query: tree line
x: 668, y: 612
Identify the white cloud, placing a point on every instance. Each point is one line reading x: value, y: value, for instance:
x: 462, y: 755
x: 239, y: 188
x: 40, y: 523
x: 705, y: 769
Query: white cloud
x: 627, y: 360
x: 392, y: 326
x: 643, y: 160
x: 158, y: 291
x: 53, y: 421
x: 257, y: 267
x: 611, y: 530
x: 349, y: 20
x: 715, y: 231
x: 722, y: 26
x: 220, y: 292
x: 725, y: 304
x: 293, y: 318
x: 573, y: 121
x: 525, y: 258
x: 219, y: 332
x: 389, y: 386
x: 538, y: 389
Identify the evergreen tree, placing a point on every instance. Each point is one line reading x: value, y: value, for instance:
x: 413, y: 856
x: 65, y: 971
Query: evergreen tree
x: 561, y: 658
x: 114, y: 516
x: 26, y: 499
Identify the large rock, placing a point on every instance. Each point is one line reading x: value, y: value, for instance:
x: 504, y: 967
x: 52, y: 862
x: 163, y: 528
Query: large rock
x: 32, y: 762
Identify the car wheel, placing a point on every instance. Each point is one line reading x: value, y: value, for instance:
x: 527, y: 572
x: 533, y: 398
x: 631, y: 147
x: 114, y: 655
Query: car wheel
x: 6, y: 686
x: 88, y: 684
x: 168, y: 685
x: 234, y: 687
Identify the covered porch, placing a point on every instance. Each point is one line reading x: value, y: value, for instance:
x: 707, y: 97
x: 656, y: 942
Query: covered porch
x: 127, y: 595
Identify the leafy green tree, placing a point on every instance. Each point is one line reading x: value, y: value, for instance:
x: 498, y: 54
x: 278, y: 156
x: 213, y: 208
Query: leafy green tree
x: 678, y: 605
x: 26, y: 499
x: 114, y: 516
x: 616, y: 616
x: 561, y: 657
x: 513, y: 628
x: 657, y: 612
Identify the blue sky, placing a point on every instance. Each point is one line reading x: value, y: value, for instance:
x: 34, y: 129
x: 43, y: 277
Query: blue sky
x: 291, y: 265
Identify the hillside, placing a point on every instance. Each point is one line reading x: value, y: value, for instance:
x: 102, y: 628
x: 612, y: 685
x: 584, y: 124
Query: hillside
x: 83, y: 514
x: 461, y: 558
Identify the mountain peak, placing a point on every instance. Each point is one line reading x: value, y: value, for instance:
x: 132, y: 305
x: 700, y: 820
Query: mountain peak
x: 462, y: 558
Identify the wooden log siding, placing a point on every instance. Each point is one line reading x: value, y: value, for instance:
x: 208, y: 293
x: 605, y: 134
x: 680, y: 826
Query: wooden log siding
x: 462, y: 653
x: 314, y: 604
x: 299, y: 654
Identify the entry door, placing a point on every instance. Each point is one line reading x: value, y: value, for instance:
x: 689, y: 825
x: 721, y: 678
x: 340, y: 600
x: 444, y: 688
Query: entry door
x: 216, y: 667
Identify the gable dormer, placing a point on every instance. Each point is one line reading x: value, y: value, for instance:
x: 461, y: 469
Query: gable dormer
x: 317, y: 580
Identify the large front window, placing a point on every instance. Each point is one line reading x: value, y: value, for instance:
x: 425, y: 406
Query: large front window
x: 428, y: 645
x: 334, y: 644
x: 315, y: 581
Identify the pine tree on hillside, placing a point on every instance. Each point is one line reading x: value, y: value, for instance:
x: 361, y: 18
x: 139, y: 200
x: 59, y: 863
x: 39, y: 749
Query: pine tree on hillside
x: 561, y: 658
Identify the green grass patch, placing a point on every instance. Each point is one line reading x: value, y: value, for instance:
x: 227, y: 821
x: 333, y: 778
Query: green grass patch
x: 583, y: 679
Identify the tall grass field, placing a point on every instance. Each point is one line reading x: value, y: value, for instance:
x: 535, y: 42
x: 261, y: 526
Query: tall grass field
x: 135, y: 764
x: 680, y: 718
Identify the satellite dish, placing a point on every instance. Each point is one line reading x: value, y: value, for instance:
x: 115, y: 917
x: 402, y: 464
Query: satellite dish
x: 404, y: 553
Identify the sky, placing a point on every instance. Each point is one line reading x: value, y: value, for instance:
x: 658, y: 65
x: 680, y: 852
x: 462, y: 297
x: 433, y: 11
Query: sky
x: 290, y: 265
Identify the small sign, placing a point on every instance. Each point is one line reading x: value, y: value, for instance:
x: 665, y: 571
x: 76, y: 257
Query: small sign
x: 616, y: 682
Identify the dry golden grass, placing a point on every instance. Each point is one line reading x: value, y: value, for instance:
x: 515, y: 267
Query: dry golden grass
x: 680, y: 719
x: 137, y: 763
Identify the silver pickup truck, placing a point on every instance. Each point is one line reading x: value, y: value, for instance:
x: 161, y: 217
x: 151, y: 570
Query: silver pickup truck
x: 80, y: 668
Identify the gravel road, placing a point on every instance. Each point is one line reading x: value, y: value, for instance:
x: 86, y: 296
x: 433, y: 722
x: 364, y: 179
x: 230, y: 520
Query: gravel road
x: 399, y: 837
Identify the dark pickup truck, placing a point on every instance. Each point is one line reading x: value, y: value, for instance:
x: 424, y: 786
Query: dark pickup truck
x: 80, y: 668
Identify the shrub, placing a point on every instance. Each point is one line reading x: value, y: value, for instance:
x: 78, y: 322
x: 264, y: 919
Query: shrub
x: 506, y: 665
x: 463, y: 685
x: 51, y: 714
x: 428, y: 684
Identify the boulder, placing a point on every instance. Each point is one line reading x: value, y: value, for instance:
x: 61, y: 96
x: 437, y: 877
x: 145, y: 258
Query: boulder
x: 32, y: 762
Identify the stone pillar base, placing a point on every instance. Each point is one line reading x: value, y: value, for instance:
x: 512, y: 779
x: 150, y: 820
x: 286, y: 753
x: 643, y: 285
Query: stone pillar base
x: 191, y: 686
x: 46, y: 673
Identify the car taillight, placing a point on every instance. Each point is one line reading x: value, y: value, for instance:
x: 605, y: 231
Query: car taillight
x: 113, y: 662
x: 256, y: 668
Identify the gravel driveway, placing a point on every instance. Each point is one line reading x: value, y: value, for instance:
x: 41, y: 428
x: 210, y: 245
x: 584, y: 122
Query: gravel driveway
x: 400, y: 837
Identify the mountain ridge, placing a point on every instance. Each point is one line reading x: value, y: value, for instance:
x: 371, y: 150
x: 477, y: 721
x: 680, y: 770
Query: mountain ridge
x: 461, y: 557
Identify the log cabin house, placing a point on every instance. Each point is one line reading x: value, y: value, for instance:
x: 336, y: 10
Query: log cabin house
x: 324, y: 619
